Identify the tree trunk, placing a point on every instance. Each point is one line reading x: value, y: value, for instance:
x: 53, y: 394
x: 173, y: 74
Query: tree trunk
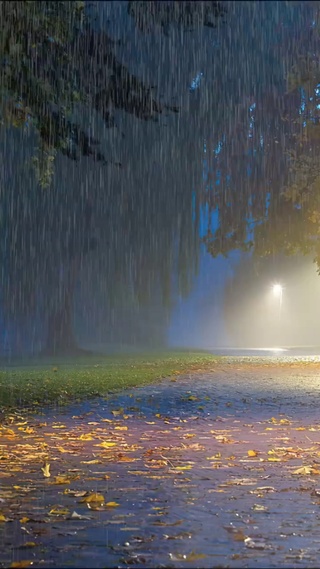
x: 60, y: 336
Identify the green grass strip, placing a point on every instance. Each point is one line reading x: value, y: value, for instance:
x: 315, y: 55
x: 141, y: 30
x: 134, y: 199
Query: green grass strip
x: 61, y: 380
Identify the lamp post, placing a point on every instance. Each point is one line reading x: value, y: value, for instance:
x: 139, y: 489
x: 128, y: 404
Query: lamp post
x: 278, y: 293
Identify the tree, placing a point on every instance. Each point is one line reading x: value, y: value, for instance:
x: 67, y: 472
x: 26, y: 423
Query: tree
x: 57, y: 66
x: 268, y: 193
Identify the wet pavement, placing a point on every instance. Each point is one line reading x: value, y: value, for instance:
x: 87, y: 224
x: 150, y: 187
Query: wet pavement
x: 207, y: 470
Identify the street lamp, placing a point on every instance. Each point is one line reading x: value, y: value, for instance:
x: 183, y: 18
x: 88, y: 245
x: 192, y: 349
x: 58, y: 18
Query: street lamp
x: 278, y: 293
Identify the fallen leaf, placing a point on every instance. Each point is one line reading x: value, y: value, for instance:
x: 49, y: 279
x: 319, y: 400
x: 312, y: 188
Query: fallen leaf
x: 182, y: 535
x: 61, y: 480
x: 76, y: 493
x: 256, y: 543
x: 259, y: 508
x: 21, y: 564
x: 303, y: 470
x: 236, y: 533
x: 188, y: 558
x: 106, y: 444
x: 46, y: 470
x: 59, y: 511
x: 3, y: 518
x: 95, y: 498
x: 62, y: 450
x: 112, y: 504
x: 117, y: 412
x: 86, y: 437
x: 76, y: 516
x: 167, y: 524
x: 252, y: 453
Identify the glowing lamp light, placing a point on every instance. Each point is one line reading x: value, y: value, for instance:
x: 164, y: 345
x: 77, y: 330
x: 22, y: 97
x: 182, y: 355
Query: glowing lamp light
x: 277, y: 289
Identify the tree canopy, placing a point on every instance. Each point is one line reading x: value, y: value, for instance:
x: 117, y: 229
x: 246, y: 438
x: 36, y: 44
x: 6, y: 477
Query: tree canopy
x: 67, y: 87
x: 264, y: 180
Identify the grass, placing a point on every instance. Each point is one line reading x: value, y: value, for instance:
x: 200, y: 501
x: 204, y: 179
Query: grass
x: 34, y: 383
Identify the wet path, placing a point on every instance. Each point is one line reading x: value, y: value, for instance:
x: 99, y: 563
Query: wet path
x: 221, y: 469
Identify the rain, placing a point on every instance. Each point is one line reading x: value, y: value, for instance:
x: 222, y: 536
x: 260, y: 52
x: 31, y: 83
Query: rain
x: 159, y: 281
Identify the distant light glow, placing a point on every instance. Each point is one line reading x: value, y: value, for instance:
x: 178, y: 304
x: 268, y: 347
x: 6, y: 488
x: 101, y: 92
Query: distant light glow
x: 277, y: 289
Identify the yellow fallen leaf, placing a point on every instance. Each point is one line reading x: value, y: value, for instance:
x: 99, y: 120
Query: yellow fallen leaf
x: 21, y: 564
x: 193, y: 398
x: 9, y: 432
x: 59, y: 511
x: 274, y: 459
x: 59, y: 426
x: 187, y: 467
x: 303, y: 470
x: 3, y: 518
x: 46, y: 470
x: 94, y: 461
x: 123, y: 428
x: 106, y: 444
x: 126, y: 459
x: 24, y: 520
x: 112, y: 504
x: 194, y: 556
x: 30, y: 544
x: 86, y: 437
x: 117, y: 412
x: 259, y: 508
x: 61, y: 480
x: 252, y: 453
x: 62, y: 450
x: 94, y: 497
x: 27, y: 430
x: 151, y: 423
x: 301, y: 429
